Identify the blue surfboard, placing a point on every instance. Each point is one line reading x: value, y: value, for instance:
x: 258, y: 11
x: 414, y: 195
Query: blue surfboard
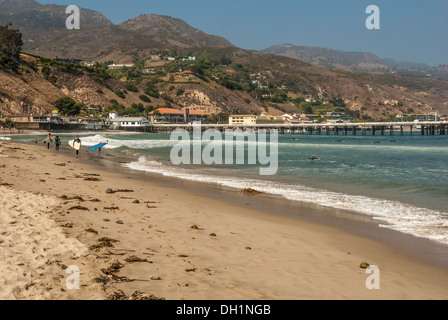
x: 97, y: 146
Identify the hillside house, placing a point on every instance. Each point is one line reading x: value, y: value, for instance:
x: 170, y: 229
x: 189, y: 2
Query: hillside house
x: 185, y: 74
x: 119, y: 66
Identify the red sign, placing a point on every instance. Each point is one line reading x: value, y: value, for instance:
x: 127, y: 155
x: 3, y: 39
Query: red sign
x: 22, y: 103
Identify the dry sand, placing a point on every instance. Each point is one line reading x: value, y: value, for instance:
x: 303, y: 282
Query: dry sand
x: 169, y: 243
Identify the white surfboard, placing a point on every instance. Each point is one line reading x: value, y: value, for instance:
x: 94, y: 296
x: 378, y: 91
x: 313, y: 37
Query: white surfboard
x: 74, y: 145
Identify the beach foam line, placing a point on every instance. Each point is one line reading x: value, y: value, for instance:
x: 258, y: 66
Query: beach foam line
x: 406, y: 218
x: 148, y: 143
x: 28, y: 238
x: 130, y: 144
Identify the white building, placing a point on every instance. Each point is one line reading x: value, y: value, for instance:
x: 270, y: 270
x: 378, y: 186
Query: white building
x: 119, y: 66
x: 189, y: 59
x: 113, y: 115
x: 149, y: 71
x: 129, y: 122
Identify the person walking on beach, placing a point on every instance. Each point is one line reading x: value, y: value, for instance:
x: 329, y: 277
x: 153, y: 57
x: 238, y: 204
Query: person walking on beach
x: 77, y: 140
x: 48, y: 141
x: 57, y: 141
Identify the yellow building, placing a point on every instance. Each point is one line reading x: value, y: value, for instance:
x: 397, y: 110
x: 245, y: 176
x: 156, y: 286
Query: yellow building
x: 243, y: 119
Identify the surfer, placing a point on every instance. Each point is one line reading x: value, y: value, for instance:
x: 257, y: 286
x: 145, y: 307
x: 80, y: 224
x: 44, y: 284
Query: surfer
x: 314, y: 158
x: 57, y: 141
x: 77, y: 140
x: 48, y: 141
x: 99, y: 149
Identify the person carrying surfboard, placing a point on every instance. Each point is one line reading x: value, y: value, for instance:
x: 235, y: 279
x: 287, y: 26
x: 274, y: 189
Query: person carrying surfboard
x: 48, y: 140
x: 77, y: 140
x: 99, y: 146
x: 99, y: 149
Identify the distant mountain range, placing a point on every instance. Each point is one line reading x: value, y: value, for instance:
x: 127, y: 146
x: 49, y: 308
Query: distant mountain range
x: 45, y: 33
x: 337, y: 59
x: 356, y: 61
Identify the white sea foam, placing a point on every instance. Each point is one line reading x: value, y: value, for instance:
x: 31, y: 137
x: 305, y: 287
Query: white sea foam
x: 395, y: 215
x: 131, y: 144
x: 150, y: 143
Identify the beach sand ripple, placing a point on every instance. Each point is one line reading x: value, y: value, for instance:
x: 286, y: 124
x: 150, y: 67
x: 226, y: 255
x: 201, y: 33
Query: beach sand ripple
x: 28, y: 238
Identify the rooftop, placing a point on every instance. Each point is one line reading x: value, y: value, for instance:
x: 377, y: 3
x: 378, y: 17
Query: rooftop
x: 178, y: 112
x: 129, y: 119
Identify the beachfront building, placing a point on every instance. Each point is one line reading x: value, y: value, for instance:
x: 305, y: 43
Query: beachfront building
x: 129, y: 122
x: 432, y: 116
x: 301, y: 118
x: 268, y: 119
x: 25, y: 117
x: 243, y: 119
x: 338, y: 116
x: 173, y: 116
x: 113, y: 115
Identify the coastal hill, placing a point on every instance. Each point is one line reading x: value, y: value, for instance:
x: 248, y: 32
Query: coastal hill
x: 176, y: 32
x: 227, y: 79
x: 45, y: 33
x: 41, y: 83
x: 357, y: 61
x: 350, y: 61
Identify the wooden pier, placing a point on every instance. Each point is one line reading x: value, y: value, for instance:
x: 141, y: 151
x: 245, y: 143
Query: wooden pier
x: 428, y: 128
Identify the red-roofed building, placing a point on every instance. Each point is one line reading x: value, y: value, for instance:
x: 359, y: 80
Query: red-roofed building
x: 170, y: 116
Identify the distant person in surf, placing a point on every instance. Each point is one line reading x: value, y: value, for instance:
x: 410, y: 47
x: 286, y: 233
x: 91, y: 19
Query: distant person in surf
x: 57, y: 141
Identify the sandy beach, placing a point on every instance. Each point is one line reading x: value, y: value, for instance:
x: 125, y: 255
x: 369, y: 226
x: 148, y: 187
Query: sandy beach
x: 134, y: 239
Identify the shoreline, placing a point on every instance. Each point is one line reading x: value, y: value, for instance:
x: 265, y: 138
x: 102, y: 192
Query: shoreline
x: 283, y: 249
x: 421, y: 248
x: 426, y: 250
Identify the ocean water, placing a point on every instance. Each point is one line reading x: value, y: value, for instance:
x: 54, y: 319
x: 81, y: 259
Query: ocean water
x: 401, y: 181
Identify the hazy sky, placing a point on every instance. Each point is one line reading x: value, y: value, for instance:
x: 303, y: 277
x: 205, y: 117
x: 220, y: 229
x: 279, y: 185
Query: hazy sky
x: 411, y: 30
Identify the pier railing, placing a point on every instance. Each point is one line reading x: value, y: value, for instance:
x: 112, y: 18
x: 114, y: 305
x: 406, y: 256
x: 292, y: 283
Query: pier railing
x: 374, y: 128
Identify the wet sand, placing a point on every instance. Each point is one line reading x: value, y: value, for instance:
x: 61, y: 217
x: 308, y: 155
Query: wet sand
x: 160, y: 240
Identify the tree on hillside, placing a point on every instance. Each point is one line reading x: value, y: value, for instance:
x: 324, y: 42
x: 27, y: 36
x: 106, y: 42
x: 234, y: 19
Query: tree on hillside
x: 10, y: 45
x: 306, y: 108
x: 8, y: 123
x: 69, y: 107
